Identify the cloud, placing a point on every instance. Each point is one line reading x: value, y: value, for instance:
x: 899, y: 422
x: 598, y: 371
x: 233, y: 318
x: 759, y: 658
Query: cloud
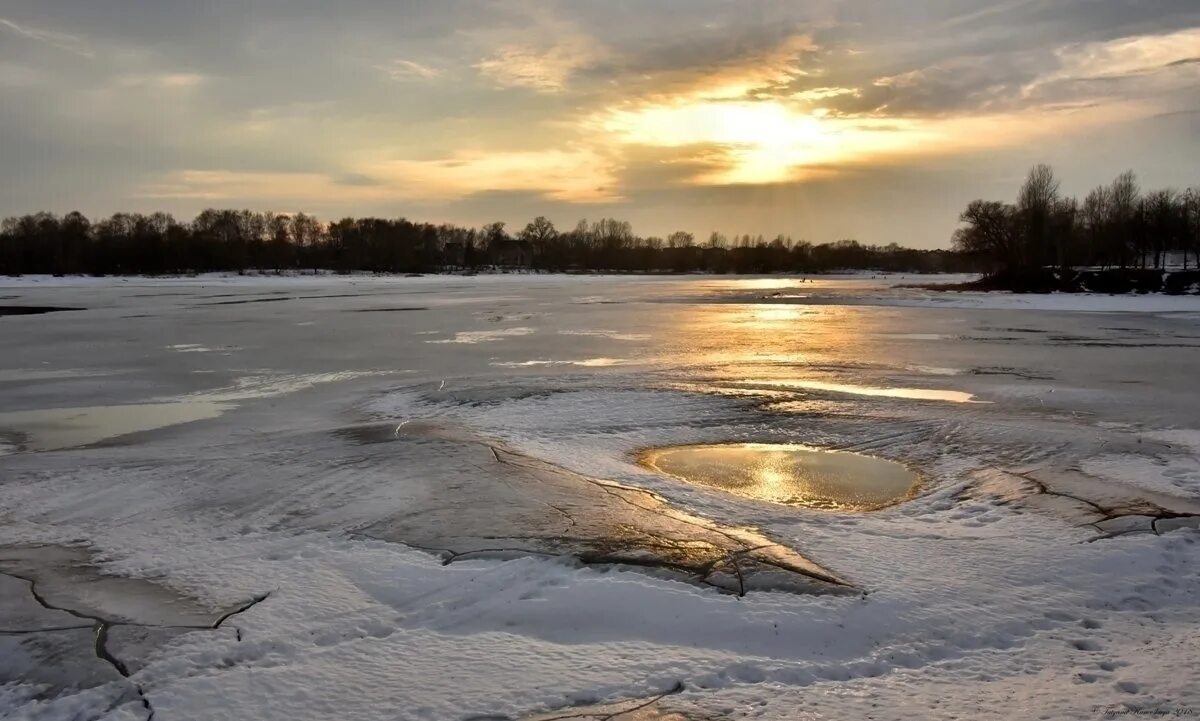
x: 1140, y: 66
x: 1159, y: 71
x: 758, y: 72
x: 716, y: 67
x: 970, y: 84
x: 410, y: 70
x: 578, y: 175
x: 160, y: 81
x: 987, y: 12
x: 243, y: 186
x: 16, y: 75
x: 770, y: 142
x: 507, y: 108
x: 1129, y: 56
x: 538, y: 50
x: 817, y: 94
x: 751, y: 142
x: 63, y: 41
x: 544, y: 69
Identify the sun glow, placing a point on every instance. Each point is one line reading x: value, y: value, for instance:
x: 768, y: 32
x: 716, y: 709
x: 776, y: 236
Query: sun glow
x: 745, y: 123
x: 734, y: 142
x: 762, y: 141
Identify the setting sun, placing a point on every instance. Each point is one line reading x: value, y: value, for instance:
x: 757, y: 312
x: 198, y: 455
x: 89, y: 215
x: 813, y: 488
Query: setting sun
x: 764, y: 141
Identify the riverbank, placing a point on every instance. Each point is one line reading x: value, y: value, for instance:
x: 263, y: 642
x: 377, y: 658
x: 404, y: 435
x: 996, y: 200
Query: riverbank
x: 1111, y: 281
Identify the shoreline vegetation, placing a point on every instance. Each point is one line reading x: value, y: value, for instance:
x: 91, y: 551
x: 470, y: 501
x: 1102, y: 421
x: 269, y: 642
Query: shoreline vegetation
x: 1116, y: 240
x: 1103, y: 281
x: 244, y: 241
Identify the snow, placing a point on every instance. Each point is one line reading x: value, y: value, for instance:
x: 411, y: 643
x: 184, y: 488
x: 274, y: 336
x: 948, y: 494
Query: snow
x: 974, y: 600
x: 1074, y: 302
x: 1066, y: 302
x: 1169, y: 464
x: 484, y: 336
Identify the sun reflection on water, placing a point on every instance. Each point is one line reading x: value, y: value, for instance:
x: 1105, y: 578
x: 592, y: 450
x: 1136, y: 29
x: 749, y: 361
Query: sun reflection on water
x: 769, y: 349
x: 788, y: 473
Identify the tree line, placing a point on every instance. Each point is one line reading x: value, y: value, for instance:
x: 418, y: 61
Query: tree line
x: 244, y: 240
x: 1116, y: 227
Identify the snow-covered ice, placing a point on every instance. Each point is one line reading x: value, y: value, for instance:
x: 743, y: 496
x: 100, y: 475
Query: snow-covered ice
x: 231, y: 477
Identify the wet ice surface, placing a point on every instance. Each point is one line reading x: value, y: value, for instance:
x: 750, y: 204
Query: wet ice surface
x: 31, y: 309
x: 655, y: 708
x: 508, y: 504
x: 52, y: 429
x: 1046, y: 566
x: 789, y: 474
x: 920, y: 394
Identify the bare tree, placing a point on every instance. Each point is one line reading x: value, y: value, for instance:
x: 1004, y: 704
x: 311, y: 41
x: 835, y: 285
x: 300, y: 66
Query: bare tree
x: 1191, y: 211
x: 1124, y: 198
x: 680, y: 239
x: 991, y: 232
x: 1035, y: 203
x: 1094, y: 216
x: 539, y: 231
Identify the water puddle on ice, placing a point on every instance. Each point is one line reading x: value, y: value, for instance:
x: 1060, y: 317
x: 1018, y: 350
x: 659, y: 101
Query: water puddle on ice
x: 32, y: 309
x: 915, y: 336
x: 788, y: 473
x: 611, y: 334
x: 24, y: 375
x: 58, y: 428
x: 585, y: 363
x: 933, y: 370
x: 920, y: 394
x: 197, y: 348
x: 471, y: 337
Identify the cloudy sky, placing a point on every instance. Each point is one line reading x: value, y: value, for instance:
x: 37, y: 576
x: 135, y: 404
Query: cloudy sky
x: 822, y: 119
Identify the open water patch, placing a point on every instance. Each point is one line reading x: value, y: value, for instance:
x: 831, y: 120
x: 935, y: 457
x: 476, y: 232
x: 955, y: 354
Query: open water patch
x: 788, y: 473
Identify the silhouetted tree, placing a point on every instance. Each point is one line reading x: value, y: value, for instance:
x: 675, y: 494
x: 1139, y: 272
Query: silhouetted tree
x: 1116, y: 226
x: 991, y: 232
x: 243, y: 240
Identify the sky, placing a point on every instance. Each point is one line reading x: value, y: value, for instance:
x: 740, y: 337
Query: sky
x: 824, y: 119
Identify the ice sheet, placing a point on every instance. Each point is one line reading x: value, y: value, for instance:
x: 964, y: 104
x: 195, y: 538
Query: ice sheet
x: 1046, y: 568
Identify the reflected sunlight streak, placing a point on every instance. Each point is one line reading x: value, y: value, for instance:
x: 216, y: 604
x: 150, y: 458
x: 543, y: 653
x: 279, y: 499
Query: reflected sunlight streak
x: 762, y: 349
x: 919, y: 394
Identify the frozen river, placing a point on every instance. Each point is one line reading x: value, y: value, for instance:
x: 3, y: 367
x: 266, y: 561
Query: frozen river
x: 421, y: 498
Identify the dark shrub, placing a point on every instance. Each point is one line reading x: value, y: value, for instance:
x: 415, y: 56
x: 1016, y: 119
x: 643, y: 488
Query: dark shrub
x: 1122, y: 280
x: 1184, y: 281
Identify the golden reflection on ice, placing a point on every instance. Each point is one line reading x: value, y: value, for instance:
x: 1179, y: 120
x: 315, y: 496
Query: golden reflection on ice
x: 920, y: 394
x: 772, y: 348
x: 766, y: 315
x: 733, y: 338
